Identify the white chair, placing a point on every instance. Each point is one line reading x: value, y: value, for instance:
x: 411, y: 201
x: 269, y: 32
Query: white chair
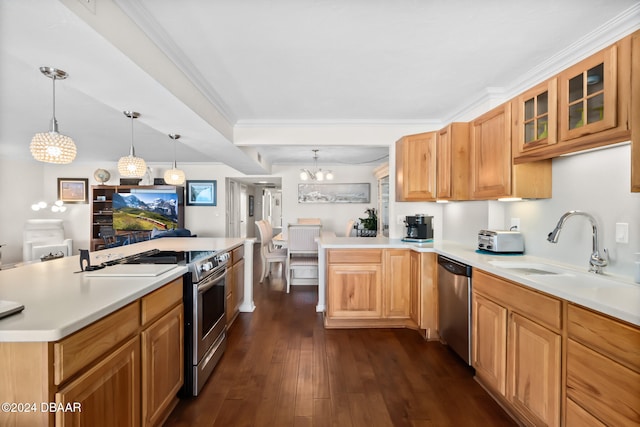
x: 349, y: 229
x: 268, y: 254
x: 43, y: 237
x: 302, y: 248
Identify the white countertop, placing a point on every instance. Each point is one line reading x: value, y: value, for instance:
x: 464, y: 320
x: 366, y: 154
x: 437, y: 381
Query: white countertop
x: 58, y: 301
x: 609, y: 294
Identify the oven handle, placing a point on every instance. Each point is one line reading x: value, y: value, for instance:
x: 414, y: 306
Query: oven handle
x: 211, y: 281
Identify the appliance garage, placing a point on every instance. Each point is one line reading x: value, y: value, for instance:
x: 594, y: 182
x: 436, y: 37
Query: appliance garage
x: 204, y: 309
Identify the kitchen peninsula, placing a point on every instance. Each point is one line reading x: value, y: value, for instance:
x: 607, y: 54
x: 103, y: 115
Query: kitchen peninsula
x: 82, y: 338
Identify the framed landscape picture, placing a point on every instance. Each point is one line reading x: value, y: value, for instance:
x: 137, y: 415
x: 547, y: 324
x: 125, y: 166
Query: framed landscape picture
x: 201, y: 193
x: 73, y: 190
x: 334, y: 193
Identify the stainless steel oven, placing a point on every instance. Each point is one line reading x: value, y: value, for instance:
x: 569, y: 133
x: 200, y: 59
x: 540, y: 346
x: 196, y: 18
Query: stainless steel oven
x: 205, y: 322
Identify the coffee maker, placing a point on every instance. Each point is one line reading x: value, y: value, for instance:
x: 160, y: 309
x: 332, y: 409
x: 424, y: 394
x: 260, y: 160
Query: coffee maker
x: 419, y: 228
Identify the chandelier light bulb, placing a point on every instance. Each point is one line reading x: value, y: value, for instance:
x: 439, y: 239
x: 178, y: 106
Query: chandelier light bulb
x: 329, y: 175
x: 304, y: 176
x: 131, y: 166
x: 174, y: 176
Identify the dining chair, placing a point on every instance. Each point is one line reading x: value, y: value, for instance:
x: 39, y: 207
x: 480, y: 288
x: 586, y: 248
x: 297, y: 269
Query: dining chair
x: 269, y: 254
x: 349, y: 229
x: 315, y: 221
x: 302, y: 248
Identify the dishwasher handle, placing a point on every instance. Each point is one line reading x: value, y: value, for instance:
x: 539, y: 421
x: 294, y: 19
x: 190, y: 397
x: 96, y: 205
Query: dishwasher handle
x: 454, y: 267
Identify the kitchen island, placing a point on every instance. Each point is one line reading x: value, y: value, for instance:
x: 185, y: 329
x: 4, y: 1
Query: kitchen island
x: 111, y: 343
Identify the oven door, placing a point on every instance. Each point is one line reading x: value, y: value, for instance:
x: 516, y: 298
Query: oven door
x: 209, y: 313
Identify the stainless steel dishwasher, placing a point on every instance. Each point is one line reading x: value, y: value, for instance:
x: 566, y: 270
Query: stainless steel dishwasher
x: 454, y: 306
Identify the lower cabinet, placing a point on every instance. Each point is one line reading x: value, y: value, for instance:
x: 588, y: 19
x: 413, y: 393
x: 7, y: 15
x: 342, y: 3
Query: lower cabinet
x: 235, y: 284
x: 107, y: 394
x: 423, y: 296
x: 124, y: 369
x: 517, y: 348
x: 379, y: 288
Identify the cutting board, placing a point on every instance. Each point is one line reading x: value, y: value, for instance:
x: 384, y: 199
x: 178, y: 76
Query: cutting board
x: 131, y: 270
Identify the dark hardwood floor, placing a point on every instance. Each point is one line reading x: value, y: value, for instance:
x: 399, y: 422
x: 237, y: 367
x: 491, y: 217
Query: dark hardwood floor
x: 282, y: 368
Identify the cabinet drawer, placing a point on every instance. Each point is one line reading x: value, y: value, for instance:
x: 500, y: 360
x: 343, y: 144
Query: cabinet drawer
x: 614, y: 339
x: 237, y: 254
x: 160, y: 300
x: 531, y: 304
x: 606, y: 389
x: 85, y: 346
x: 354, y: 256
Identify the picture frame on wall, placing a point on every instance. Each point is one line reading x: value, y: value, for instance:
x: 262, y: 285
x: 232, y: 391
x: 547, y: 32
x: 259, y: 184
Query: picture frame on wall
x: 201, y: 193
x: 334, y: 193
x: 251, y: 203
x: 73, y: 190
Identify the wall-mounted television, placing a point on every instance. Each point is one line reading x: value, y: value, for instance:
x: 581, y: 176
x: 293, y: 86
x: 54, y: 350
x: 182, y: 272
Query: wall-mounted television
x: 145, y: 211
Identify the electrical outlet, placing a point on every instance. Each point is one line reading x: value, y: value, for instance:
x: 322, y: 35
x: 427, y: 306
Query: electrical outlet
x: 515, y: 224
x: 622, y: 232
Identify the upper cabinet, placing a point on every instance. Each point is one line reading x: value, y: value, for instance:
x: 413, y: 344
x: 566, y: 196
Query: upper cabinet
x: 535, y: 118
x: 416, y: 167
x: 493, y: 175
x: 452, y: 162
x: 635, y: 112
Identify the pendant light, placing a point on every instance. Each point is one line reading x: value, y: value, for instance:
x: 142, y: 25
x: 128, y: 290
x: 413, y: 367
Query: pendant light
x: 53, y: 147
x: 131, y: 166
x: 316, y: 174
x: 174, y: 176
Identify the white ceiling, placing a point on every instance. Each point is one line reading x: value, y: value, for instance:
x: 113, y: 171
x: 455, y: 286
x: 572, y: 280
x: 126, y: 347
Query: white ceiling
x: 215, y: 70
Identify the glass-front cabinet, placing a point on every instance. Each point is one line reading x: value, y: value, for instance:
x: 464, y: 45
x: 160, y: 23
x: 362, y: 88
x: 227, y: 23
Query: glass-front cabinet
x: 535, y: 117
x: 588, y: 95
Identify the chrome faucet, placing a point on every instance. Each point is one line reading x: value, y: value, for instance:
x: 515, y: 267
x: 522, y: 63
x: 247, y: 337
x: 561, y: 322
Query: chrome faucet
x: 596, y: 261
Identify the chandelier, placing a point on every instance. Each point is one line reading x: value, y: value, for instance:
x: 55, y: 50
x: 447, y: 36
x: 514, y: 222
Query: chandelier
x: 53, y: 147
x: 174, y: 176
x: 316, y: 174
x: 131, y: 166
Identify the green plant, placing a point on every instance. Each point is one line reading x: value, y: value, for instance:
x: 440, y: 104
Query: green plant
x: 371, y: 222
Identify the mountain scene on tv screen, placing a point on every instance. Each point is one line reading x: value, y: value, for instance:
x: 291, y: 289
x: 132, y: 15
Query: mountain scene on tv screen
x: 145, y: 211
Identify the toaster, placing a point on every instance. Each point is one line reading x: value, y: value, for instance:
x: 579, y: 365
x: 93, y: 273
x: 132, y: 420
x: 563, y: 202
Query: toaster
x: 500, y: 241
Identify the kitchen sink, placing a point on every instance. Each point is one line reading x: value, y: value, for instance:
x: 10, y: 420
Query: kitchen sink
x: 529, y: 268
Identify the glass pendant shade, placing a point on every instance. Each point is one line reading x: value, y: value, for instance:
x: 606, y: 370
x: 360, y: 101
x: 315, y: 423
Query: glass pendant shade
x: 174, y: 176
x: 52, y: 146
x: 131, y: 166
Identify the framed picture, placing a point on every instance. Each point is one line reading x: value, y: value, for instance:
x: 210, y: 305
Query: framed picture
x: 250, y: 205
x: 201, y: 193
x: 334, y: 193
x: 73, y: 190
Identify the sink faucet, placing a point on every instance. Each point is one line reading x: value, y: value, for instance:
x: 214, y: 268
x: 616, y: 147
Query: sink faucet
x: 596, y: 261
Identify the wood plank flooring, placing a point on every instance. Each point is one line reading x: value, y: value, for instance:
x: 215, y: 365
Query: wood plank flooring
x: 282, y: 368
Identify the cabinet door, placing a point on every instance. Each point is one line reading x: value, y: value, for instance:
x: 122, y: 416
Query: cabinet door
x: 397, y: 286
x: 535, y: 118
x: 415, y: 280
x: 416, y: 167
x: 489, y: 340
x: 354, y: 291
x: 491, y: 154
x: 635, y: 112
x: 452, y: 162
x: 588, y: 95
x: 162, y: 366
x: 109, y: 393
x: 533, y: 376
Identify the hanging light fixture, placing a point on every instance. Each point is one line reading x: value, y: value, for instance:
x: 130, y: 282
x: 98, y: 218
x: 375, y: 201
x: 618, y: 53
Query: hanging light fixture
x: 53, y: 147
x: 174, y: 176
x: 316, y: 174
x: 131, y: 166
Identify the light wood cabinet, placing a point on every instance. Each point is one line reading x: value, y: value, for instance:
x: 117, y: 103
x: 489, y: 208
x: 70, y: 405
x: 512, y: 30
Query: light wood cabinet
x: 108, y: 393
x: 124, y: 369
x: 635, y: 112
x: 519, y: 359
x: 234, y: 284
x: 535, y: 118
x: 416, y: 167
x: 162, y: 366
x: 370, y: 288
x: 424, y: 307
x: 452, y: 162
x: 397, y: 289
x: 489, y: 342
x: 493, y: 175
x: 603, y: 369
